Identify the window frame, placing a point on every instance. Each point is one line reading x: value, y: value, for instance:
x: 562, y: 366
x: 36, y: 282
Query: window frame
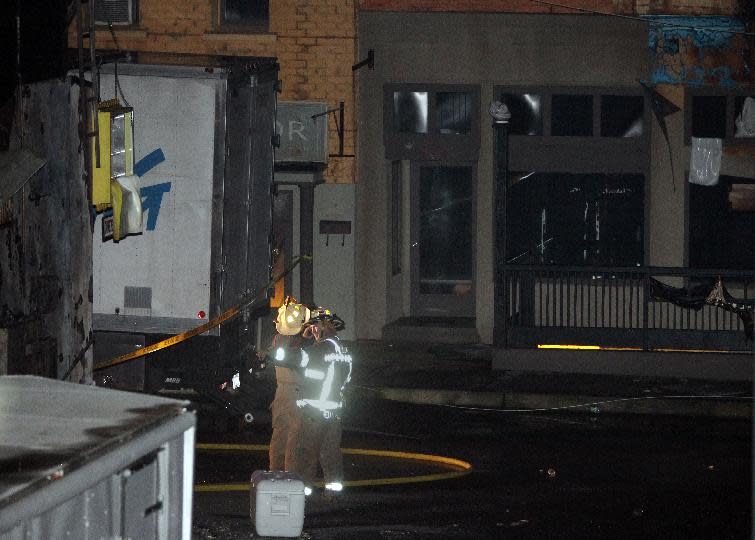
x: 730, y: 94
x: 595, y: 154
x: 546, y: 94
x: 432, y: 145
x: 567, y: 153
x: 397, y: 229
x: 238, y: 28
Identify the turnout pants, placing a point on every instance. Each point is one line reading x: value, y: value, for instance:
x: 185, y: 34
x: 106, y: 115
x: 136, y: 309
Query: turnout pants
x: 317, y: 440
x: 285, y: 419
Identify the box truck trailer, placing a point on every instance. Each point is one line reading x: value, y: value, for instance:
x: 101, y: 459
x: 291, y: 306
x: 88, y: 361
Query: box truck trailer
x: 203, y: 139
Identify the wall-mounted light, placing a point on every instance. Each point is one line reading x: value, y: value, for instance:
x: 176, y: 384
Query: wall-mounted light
x: 115, y: 142
x: 499, y: 111
x: 113, y: 182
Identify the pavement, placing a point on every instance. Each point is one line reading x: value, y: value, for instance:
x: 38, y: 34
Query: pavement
x: 462, y: 376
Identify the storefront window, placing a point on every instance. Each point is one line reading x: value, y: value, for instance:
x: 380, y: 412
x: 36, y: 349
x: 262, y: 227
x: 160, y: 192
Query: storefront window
x: 621, y: 116
x: 526, y: 113
x: 722, y: 224
x: 744, y: 117
x: 410, y: 112
x: 571, y: 115
x: 575, y: 219
x: 454, y: 111
x: 709, y: 116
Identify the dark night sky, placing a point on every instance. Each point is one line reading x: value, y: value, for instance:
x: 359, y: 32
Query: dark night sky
x: 7, y: 49
x: 43, y: 41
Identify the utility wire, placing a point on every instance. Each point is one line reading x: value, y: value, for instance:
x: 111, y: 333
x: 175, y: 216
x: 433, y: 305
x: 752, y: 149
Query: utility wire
x: 595, y: 403
x: 736, y: 396
x: 117, y: 85
x: 645, y: 20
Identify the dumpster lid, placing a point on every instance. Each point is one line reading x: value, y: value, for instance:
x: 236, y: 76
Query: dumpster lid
x: 48, y: 425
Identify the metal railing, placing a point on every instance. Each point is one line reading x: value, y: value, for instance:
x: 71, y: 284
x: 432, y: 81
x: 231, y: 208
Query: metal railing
x: 614, y: 307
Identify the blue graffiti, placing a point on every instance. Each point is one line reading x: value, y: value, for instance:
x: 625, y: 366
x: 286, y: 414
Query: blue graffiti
x: 152, y: 198
x: 711, y: 32
x: 149, y: 162
x: 670, y: 37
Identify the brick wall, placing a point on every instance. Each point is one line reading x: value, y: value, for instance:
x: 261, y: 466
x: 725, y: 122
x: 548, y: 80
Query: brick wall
x: 314, y: 41
x: 686, y: 7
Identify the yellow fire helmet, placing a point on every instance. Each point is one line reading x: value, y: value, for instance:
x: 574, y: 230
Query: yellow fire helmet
x: 291, y: 317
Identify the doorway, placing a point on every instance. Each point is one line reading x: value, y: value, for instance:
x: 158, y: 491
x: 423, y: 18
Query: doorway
x: 443, y: 233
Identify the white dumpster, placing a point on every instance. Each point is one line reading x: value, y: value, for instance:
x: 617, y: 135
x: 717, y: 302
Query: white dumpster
x: 78, y: 461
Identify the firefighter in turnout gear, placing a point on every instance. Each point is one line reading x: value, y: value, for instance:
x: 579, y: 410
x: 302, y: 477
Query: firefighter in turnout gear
x: 323, y: 368
x: 313, y: 369
x: 284, y: 411
x: 327, y: 371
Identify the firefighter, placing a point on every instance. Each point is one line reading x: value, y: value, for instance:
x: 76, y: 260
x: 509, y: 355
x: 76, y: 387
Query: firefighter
x: 285, y: 413
x: 326, y: 368
x: 312, y: 369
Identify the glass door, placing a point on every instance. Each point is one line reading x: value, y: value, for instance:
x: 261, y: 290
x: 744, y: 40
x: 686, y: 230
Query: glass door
x: 443, y: 240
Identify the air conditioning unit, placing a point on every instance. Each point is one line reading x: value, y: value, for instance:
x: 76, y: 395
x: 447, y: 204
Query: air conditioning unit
x: 116, y: 12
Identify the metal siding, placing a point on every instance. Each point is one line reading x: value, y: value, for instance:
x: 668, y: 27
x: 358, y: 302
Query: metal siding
x: 263, y: 129
x: 211, y: 241
x: 218, y: 186
x: 176, y: 115
x: 96, y: 512
x: 333, y: 264
x: 147, y: 325
x: 140, y: 485
x: 247, y: 215
x: 103, y: 520
x: 236, y: 192
x: 93, y: 435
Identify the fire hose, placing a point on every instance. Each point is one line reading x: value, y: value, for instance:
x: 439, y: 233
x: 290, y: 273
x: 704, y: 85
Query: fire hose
x: 226, y: 316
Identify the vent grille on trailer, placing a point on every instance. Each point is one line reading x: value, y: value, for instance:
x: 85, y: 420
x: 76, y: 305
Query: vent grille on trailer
x: 113, y: 11
x: 137, y: 301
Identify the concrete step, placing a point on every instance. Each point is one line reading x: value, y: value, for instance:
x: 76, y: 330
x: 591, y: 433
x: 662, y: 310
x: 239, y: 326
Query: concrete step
x: 446, y: 330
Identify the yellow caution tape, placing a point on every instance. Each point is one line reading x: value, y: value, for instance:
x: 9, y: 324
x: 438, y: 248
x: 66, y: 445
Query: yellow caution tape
x: 228, y: 446
x: 173, y: 340
x: 462, y: 467
x: 606, y: 348
x: 217, y: 321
